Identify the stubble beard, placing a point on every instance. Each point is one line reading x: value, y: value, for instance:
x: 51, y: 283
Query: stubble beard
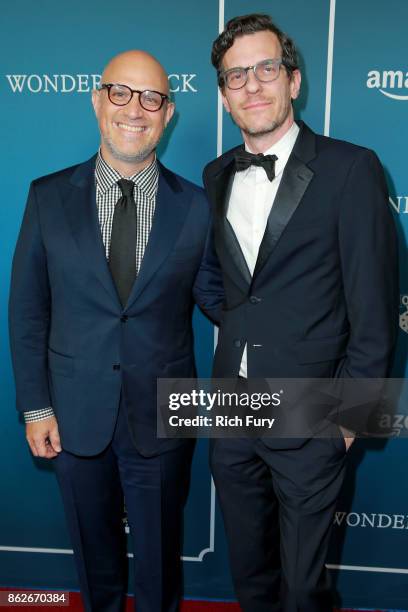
x: 270, y: 127
x: 130, y: 158
x: 262, y: 131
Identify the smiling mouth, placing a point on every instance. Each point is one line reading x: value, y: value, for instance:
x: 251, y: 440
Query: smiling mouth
x: 131, y: 128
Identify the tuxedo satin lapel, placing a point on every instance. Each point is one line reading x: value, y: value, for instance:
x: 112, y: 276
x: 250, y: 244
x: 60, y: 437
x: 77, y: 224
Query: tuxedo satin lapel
x: 79, y: 202
x: 295, y: 180
x: 169, y: 217
x: 225, y: 239
x: 222, y: 185
x: 232, y: 244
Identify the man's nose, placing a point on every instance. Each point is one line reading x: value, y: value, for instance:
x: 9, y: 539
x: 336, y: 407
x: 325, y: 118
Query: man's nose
x: 252, y: 85
x: 133, y: 108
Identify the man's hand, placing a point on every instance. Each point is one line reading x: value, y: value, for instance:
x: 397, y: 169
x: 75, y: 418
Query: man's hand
x: 43, y: 438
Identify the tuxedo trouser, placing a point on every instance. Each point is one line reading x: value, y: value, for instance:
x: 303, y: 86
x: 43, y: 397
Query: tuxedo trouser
x: 155, y: 490
x: 278, y: 508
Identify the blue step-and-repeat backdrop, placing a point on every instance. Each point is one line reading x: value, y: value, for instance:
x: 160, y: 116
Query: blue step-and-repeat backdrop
x: 355, y: 87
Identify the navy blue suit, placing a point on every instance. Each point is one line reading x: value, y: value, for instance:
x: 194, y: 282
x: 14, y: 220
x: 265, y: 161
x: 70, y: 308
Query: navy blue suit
x: 76, y: 349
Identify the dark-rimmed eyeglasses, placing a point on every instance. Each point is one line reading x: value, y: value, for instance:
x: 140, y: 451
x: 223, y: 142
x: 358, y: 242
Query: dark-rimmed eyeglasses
x: 120, y: 95
x: 265, y: 72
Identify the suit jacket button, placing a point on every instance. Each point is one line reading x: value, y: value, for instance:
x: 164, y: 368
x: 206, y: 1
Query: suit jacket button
x: 124, y: 318
x: 237, y: 343
x: 254, y: 299
x: 116, y: 366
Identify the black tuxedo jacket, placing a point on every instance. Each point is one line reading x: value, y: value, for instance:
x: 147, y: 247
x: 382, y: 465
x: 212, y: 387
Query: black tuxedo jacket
x: 73, y: 345
x: 323, y: 299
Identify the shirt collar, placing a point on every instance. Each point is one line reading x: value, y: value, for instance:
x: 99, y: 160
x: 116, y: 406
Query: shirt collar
x: 285, y: 143
x: 146, y: 180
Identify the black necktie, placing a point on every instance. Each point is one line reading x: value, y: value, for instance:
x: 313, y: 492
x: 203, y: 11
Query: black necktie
x: 122, y: 252
x: 243, y: 160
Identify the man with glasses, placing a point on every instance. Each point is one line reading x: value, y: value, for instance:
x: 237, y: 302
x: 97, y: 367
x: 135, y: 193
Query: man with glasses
x: 112, y: 255
x: 307, y: 247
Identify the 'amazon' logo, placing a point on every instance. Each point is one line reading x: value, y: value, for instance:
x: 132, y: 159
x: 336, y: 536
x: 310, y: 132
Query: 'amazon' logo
x: 391, y: 83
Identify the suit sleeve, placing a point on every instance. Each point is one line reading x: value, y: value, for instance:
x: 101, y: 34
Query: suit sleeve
x: 29, y: 313
x: 208, y: 290
x: 369, y: 261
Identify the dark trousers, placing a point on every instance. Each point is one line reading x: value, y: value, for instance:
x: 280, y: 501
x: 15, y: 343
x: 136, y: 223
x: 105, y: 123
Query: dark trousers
x: 278, y: 508
x: 155, y: 490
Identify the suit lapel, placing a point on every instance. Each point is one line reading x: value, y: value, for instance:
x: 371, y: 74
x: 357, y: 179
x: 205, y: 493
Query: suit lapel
x: 295, y: 180
x: 169, y: 217
x: 79, y: 202
x: 225, y: 239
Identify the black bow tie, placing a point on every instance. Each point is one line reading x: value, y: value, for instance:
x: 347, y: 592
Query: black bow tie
x: 243, y: 160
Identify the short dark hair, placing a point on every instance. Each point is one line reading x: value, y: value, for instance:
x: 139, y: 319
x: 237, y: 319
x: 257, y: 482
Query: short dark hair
x: 249, y: 24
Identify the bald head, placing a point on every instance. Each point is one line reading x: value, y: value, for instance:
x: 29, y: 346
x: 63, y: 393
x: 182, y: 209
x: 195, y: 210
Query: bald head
x: 130, y: 130
x: 135, y: 64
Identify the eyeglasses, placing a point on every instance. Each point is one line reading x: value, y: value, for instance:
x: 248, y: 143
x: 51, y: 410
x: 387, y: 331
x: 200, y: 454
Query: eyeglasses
x: 120, y: 95
x: 265, y: 72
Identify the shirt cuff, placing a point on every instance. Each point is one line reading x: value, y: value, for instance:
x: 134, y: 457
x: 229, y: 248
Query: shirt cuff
x: 38, y: 415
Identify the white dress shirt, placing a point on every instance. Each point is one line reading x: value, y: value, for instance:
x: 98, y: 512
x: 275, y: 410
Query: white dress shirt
x: 251, y: 201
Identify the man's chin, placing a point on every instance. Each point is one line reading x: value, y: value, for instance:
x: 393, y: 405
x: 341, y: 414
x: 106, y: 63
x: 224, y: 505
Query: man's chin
x: 131, y: 157
x: 261, y: 130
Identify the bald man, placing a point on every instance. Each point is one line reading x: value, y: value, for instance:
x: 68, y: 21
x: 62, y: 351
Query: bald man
x: 111, y: 257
